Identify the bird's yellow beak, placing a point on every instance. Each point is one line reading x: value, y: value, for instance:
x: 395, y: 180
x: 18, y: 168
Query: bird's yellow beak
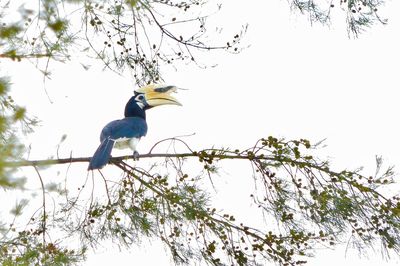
x: 159, y: 95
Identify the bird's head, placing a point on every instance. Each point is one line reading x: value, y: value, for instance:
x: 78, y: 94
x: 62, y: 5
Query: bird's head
x: 150, y: 96
x: 154, y: 95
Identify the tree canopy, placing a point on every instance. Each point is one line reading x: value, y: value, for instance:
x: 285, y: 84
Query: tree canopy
x: 301, y: 202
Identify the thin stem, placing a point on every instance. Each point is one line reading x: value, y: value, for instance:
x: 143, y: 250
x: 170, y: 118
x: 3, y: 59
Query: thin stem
x: 44, y: 206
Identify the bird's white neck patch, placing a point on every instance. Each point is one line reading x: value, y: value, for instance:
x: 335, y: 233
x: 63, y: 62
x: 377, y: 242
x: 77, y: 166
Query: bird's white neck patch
x: 140, y: 104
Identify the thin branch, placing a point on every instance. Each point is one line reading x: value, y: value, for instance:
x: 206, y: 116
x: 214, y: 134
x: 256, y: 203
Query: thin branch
x: 24, y: 163
x: 44, y: 206
x: 186, y: 43
x: 203, y: 155
x: 25, y: 56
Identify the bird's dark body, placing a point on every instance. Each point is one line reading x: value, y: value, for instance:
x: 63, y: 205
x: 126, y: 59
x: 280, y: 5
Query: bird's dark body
x: 129, y: 130
x: 132, y: 126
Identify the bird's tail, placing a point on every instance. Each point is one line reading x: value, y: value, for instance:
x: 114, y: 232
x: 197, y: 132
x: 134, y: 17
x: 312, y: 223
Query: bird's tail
x: 102, y: 154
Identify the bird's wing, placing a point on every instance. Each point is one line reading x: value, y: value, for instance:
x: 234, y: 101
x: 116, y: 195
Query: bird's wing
x: 129, y: 127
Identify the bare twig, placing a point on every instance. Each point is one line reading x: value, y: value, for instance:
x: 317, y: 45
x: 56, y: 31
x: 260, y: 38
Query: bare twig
x: 44, y: 206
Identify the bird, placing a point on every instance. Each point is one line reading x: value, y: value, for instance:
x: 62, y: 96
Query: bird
x: 127, y: 132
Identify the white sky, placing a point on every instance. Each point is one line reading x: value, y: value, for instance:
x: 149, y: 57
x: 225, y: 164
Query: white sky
x: 294, y: 81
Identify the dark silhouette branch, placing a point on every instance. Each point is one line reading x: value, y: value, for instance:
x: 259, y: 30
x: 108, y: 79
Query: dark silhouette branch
x: 181, y: 41
x: 47, y: 162
x: 44, y: 226
x: 208, y: 156
x: 14, y: 56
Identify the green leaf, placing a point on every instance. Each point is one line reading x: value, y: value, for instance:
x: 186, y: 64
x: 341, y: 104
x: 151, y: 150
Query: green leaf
x: 19, y: 206
x: 19, y: 113
x: 131, y: 3
x: 10, y: 31
x: 58, y: 26
x: 4, y: 85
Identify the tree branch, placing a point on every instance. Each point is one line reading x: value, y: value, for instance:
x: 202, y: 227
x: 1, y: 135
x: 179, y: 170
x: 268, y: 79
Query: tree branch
x: 14, y: 56
x: 24, y: 163
x: 208, y: 156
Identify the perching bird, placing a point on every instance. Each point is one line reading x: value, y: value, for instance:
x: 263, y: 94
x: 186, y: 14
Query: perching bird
x: 129, y: 130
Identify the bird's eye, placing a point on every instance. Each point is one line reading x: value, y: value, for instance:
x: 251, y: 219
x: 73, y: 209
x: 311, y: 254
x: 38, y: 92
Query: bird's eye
x: 140, y: 98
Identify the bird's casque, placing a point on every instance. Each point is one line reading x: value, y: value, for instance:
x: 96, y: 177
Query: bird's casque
x: 127, y: 132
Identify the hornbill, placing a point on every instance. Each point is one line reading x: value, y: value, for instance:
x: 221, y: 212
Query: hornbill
x: 127, y: 132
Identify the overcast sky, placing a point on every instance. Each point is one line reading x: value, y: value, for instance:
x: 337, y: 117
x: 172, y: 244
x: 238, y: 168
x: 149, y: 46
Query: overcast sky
x: 293, y: 81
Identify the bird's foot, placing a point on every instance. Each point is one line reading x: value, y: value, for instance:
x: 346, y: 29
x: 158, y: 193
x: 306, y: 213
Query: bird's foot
x: 135, y: 156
